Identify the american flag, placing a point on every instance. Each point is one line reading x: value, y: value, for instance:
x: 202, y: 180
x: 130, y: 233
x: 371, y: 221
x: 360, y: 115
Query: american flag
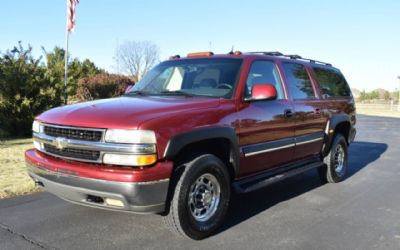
x: 71, y: 4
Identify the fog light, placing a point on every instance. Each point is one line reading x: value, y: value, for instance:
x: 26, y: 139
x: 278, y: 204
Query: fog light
x: 114, y: 202
x: 129, y: 160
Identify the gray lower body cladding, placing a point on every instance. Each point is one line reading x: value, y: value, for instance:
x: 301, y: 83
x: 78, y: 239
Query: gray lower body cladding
x: 138, y: 197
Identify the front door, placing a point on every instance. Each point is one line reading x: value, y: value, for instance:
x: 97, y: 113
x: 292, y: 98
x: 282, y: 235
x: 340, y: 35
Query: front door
x: 266, y: 128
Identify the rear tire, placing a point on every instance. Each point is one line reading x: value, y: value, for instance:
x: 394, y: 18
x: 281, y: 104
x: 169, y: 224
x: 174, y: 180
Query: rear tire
x: 200, y: 197
x: 336, y: 161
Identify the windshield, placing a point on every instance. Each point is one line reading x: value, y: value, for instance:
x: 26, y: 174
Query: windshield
x: 191, y: 77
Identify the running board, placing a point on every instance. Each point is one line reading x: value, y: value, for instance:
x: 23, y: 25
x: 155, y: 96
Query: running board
x: 256, y: 182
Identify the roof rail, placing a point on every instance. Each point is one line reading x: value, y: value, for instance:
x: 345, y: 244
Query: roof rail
x: 295, y: 57
x: 267, y: 53
x: 316, y: 62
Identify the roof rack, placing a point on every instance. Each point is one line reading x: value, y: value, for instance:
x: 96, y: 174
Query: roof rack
x: 267, y: 53
x: 295, y: 57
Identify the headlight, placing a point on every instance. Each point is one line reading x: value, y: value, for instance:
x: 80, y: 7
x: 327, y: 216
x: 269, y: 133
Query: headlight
x: 143, y: 148
x: 36, y: 127
x: 130, y: 136
x: 129, y: 160
x: 37, y: 145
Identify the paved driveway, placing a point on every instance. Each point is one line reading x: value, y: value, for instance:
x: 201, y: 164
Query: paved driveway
x: 363, y: 212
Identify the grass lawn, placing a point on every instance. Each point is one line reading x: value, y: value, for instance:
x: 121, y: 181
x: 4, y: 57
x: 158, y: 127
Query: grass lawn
x: 13, y: 177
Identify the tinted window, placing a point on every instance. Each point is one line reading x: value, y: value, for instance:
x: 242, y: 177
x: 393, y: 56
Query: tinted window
x: 331, y: 83
x: 263, y: 72
x: 299, y: 83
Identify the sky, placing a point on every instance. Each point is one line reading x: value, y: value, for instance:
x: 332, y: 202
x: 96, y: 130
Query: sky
x: 361, y: 38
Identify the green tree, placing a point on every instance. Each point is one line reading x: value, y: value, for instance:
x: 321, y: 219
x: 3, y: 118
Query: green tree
x: 363, y: 96
x: 29, y: 86
x: 24, y: 91
x: 374, y: 95
x: 76, y: 70
x: 386, y: 95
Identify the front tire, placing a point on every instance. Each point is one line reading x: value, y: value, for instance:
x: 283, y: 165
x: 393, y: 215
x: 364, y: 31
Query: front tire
x: 200, y: 198
x: 336, y: 161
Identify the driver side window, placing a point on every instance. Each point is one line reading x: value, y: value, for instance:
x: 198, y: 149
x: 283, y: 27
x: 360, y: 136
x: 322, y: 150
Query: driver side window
x: 264, y: 72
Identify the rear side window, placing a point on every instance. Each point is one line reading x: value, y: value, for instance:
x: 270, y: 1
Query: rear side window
x: 298, y: 81
x: 264, y: 72
x: 331, y: 83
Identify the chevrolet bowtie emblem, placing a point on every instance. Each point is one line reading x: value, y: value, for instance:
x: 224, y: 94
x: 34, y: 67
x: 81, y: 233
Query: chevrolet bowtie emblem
x: 60, y: 142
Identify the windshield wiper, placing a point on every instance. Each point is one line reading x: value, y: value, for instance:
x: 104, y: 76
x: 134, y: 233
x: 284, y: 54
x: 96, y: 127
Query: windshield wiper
x: 136, y: 92
x: 176, y: 92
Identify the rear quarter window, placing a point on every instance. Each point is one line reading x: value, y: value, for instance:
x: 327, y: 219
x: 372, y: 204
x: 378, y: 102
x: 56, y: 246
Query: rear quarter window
x: 331, y: 83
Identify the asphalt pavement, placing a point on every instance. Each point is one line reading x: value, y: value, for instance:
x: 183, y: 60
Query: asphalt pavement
x: 362, y: 212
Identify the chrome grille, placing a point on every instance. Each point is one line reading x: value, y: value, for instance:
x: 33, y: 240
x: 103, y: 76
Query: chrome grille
x: 74, y: 153
x: 73, y: 133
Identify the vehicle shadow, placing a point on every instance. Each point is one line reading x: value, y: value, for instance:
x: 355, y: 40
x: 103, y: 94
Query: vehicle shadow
x: 245, y: 206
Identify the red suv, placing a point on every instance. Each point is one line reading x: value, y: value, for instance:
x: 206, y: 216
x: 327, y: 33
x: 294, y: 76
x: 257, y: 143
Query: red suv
x: 192, y: 131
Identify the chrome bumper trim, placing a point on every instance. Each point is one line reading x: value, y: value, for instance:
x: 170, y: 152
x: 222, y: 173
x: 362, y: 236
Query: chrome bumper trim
x: 98, y: 146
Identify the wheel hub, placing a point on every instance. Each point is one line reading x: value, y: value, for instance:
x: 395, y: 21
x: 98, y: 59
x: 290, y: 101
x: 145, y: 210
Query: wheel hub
x: 339, y: 159
x: 207, y: 198
x: 204, y: 197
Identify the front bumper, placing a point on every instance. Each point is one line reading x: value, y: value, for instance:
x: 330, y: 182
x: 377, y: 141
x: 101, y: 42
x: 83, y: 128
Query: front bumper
x: 147, y: 196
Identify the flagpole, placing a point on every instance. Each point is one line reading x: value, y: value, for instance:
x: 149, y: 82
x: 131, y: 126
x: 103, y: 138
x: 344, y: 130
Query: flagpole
x: 66, y: 58
x: 71, y: 4
x: 66, y: 67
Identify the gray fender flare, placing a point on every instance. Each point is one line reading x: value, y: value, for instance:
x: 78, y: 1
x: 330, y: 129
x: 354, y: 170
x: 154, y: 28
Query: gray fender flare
x: 178, y: 142
x: 332, y: 123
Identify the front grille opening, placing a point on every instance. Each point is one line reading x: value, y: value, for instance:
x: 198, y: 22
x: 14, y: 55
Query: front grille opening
x: 72, y: 133
x: 73, y: 152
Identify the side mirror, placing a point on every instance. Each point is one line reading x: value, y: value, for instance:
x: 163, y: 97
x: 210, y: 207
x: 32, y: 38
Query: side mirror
x: 128, y: 88
x: 262, y: 92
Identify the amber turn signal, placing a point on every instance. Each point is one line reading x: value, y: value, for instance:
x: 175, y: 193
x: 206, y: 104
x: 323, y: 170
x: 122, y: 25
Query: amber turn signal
x: 200, y: 54
x: 129, y: 160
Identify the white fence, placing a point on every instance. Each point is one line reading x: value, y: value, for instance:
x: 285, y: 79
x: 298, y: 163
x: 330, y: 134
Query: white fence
x: 379, y: 106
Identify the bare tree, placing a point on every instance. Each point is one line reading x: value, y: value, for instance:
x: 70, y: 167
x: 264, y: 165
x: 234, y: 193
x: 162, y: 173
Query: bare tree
x: 137, y: 57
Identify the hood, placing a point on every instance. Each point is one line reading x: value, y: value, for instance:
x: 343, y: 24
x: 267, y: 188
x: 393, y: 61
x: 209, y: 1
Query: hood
x: 122, y: 112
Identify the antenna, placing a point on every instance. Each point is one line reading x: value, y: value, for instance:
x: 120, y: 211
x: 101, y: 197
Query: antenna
x: 231, y: 52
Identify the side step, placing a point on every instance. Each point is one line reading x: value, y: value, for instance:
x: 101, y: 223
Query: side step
x: 256, y: 182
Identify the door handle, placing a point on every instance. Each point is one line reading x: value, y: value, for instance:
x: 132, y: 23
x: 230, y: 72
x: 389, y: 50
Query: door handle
x: 288, y: 113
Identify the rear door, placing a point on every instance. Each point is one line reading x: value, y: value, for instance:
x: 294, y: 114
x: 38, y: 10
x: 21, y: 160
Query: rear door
x: 266, y: 134
x: 310, y: 123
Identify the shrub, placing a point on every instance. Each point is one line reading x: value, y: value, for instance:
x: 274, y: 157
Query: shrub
x: 24, y: 91
x: 103, y: 85
x: 29, y: 86
x: 76, y: 70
